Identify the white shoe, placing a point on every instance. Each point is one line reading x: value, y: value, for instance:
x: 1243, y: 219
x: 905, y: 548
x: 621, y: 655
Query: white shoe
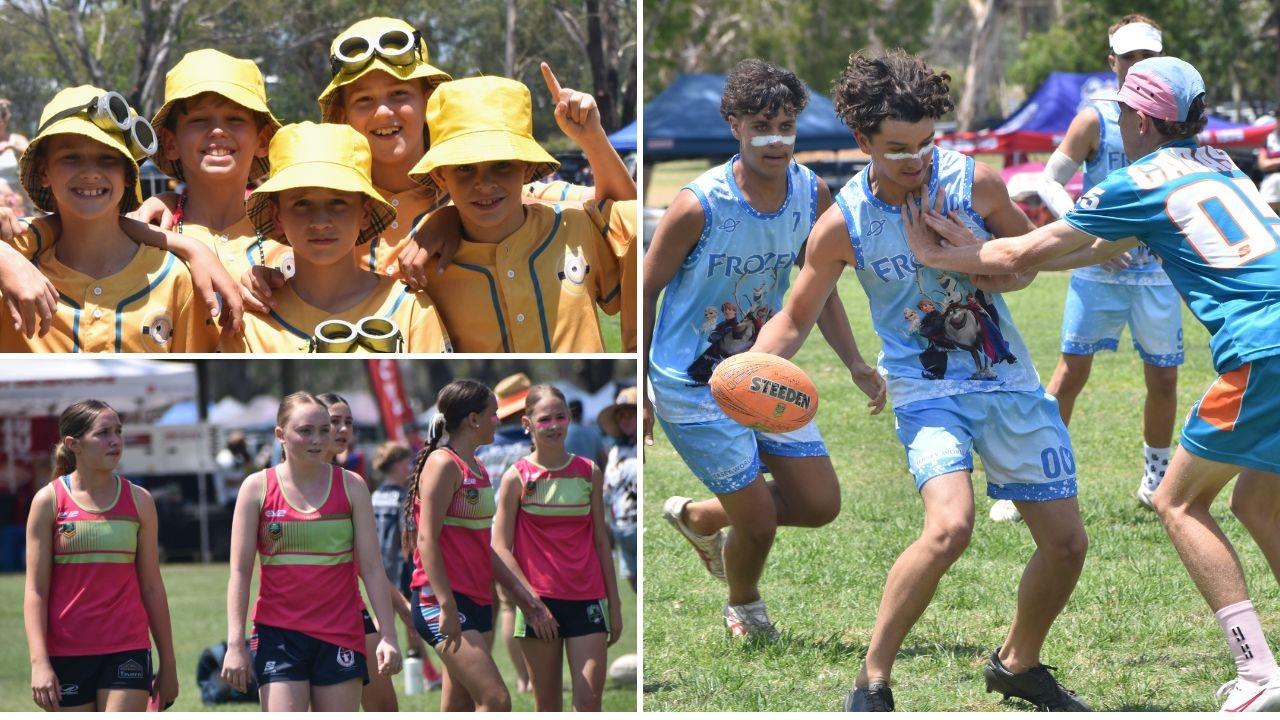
x: 710, y: 548
x: 1004, y: 511
x: 750, y: 620
x: 1147, y: 490
x: 1244, y: 696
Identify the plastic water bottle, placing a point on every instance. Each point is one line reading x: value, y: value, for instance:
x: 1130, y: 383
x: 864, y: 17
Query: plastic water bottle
x: 412, y: 673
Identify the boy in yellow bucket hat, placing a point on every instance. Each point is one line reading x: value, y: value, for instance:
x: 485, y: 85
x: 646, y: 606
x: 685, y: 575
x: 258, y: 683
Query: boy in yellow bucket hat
x: 320, y: 201
x: 115, y: 294
x: 214, y: 129
x: 526, y: 278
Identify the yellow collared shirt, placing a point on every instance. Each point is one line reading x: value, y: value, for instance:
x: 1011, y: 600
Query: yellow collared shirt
x: 290, y: 326
x: 412, y: 208
x: 537, y: 290
x: 556, y: 191
x: 237, y: 247
x: 147, y: 306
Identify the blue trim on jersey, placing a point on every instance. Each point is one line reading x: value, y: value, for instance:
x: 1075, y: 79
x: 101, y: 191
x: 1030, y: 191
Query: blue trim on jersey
x: 404, y: 293
x: 289, y: 328
x: 967, y: 200
x: 164, y: 272
x: 813, y: 200
x: 742, y: 201
x: 612, y: 294
x: 854, y: 240
x: 1102, y: 139
x: 564, y: 191
x: 373, y: 255
x: 696, y: 252
x: 537, y: 287
x: 75, y: 321
x: 493, y: 296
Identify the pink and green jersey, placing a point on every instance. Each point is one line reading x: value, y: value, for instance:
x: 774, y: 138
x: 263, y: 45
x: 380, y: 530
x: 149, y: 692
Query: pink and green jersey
x: 465, y: 537
x: 555, y: 534
x: 308, y: 581
x: 95, y: 604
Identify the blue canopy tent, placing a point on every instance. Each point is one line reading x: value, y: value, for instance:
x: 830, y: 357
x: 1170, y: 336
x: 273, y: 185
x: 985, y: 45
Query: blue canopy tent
x: 684, y: 121
x: 624, y: 139
x: 1041, y: 122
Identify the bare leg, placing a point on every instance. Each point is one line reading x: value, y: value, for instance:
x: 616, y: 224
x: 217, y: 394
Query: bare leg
x: 340, y: 697
x: 913, y: 579
x: 1161, y: 409
x: 806, y: 493
x: 1069, y: 378
x: 545, y: 660
x: 1182, y: 502
x: 507, y: 628
x: 473, y: 681
x: 750, y: 539
x: 1256, y: 502
x: 380, y: 694
x: 1048, y: 580
x: 122, y: 700
x: 286, y: 696
x: 587, y: 665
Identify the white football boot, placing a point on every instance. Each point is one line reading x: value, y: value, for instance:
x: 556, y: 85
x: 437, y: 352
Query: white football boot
x: 750, y: 620
x: 710, y: 548
x: 1240, y: 695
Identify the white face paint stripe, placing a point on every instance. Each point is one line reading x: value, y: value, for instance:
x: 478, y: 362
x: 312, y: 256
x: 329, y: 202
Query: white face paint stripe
x: 924, y: 152
x: 762, y: 140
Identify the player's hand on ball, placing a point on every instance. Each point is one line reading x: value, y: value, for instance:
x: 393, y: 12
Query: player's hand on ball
x: 576, y: 112
x: 235, y: 667
x: 871, y: 383
x: 388, y: 658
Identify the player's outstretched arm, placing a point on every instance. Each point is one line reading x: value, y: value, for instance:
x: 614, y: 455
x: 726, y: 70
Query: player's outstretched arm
x: 579, y: 117
x: 1099, y: 252
x: 675, y: 237
x: 826, y: 253
x: 1004, y: 219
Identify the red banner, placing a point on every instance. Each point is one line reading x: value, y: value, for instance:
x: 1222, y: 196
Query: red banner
x: 397, y: 416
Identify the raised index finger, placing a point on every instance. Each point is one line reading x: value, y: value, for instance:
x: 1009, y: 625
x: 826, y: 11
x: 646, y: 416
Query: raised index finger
x: 552, y: 83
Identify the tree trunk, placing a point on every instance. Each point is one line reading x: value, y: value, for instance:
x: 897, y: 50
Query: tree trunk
x: 605, y: 95
x: 509, y: 45
x: 984, y: 66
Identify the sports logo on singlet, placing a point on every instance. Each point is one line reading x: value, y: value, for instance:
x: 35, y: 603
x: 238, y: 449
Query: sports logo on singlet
x: 66, y: 514
x: 954, y: 317
x: 67, y: 530
x: 159, y: 327
x: 346, y: 657
x: 275, y: 530
x: 594, y: 615
x: 472, y: 495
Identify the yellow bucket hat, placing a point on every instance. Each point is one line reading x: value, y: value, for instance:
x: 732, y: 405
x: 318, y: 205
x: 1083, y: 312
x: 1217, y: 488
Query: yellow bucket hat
x: 328, y: 156
x: 78, y: 124
x: 371, y: 29
x: 477, y: 120
x: 201, y: 71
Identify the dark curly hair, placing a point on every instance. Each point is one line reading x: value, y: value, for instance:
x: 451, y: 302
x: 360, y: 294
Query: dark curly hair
x: 892, y: 86
x: 755, y: 86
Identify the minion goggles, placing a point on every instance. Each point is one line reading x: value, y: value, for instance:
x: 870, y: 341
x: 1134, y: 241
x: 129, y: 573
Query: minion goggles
x: 398, y: 47
x: 371, y: 334
x: 112, y: 113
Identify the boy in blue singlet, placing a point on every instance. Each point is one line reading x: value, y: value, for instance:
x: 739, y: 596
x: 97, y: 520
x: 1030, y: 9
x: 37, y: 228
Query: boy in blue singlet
x: 1132, y: 289
x: 959, y: 374
x: 723, y: 253
x: 1217, y: 238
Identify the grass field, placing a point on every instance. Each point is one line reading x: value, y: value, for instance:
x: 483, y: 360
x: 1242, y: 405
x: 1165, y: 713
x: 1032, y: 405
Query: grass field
x: 1136, y: 635
x: 197, y: 603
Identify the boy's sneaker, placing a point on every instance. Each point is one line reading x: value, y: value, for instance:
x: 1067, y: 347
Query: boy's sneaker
x: 875, y: 697
x: 1004, y: 511
x: 710, y: 548
x: 1037, y: 686
x: 750, y: 620
x: 1241, y: 695
x: 1147, y: 490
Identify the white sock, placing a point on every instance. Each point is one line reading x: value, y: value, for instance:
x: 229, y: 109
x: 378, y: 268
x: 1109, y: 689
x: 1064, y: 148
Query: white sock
x: 1239, y: 622
x: 1155, y: 461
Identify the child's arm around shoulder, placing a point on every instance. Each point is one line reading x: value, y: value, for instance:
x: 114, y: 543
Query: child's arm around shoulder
x: 28, y: 295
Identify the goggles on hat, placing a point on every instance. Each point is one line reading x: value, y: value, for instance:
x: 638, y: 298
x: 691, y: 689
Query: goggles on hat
x: 396, y: 46
x: 112, y: 113
x: 373, y: 334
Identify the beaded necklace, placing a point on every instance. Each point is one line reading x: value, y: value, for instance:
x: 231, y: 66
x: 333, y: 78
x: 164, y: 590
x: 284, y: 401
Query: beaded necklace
x: 179, y: 217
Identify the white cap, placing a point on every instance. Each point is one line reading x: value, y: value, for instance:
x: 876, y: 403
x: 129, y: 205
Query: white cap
x: 1136, y: 36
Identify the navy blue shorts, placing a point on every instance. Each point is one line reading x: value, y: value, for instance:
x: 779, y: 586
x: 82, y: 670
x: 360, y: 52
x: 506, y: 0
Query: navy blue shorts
x: 370, y: 627
x: 575, y: 617
x: 426, y: 615
x: 283, y: 655
x: 81, y: 676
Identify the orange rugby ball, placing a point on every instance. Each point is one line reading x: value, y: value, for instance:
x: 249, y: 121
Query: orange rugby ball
x: 764, y: 392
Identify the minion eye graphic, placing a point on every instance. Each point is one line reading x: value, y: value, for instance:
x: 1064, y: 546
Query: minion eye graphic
x: 159, y: 329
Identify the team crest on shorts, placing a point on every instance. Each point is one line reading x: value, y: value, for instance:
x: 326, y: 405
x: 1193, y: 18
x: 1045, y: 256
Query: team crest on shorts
x: 594, y: 615
x: 346, y: 658
x: 574, y: 270
x: 159, y: 327
x: 67, y: 530
x: 129, y: 670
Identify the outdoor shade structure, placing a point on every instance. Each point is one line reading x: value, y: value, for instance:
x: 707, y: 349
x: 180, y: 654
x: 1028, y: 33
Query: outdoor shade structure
x: 624, y: 139
x: 1040, y: 124
x: 132, y: 385
x: 684, y: 121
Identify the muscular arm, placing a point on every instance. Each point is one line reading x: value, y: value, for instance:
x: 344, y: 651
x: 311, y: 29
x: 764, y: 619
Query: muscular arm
x: 833, y: 321
x: 1004, y: 219
x: 997, y: 256
x: 1099, y: 252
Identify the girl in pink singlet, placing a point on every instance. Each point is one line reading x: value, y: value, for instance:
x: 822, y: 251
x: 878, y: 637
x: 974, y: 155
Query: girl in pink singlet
x: 311, y: 524
x: 93, y: 578
x: 448, y: 513
x: 550, y: 533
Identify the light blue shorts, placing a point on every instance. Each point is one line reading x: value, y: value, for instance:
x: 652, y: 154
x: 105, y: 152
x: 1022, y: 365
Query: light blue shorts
x: 1024, y: 446
x: 1096, y: 313
x: 725, y: 456
x: 1237, y: 421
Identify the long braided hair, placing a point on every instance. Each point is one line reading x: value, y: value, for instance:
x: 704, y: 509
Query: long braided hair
x: 455, y: 402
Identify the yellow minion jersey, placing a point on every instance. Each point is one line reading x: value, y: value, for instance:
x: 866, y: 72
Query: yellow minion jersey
x: 555, y: 191
x: 627, y: 223
x: 238, y: 247
x: 290, y: 327
x: 148, y: 306
x: 537, y: 290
